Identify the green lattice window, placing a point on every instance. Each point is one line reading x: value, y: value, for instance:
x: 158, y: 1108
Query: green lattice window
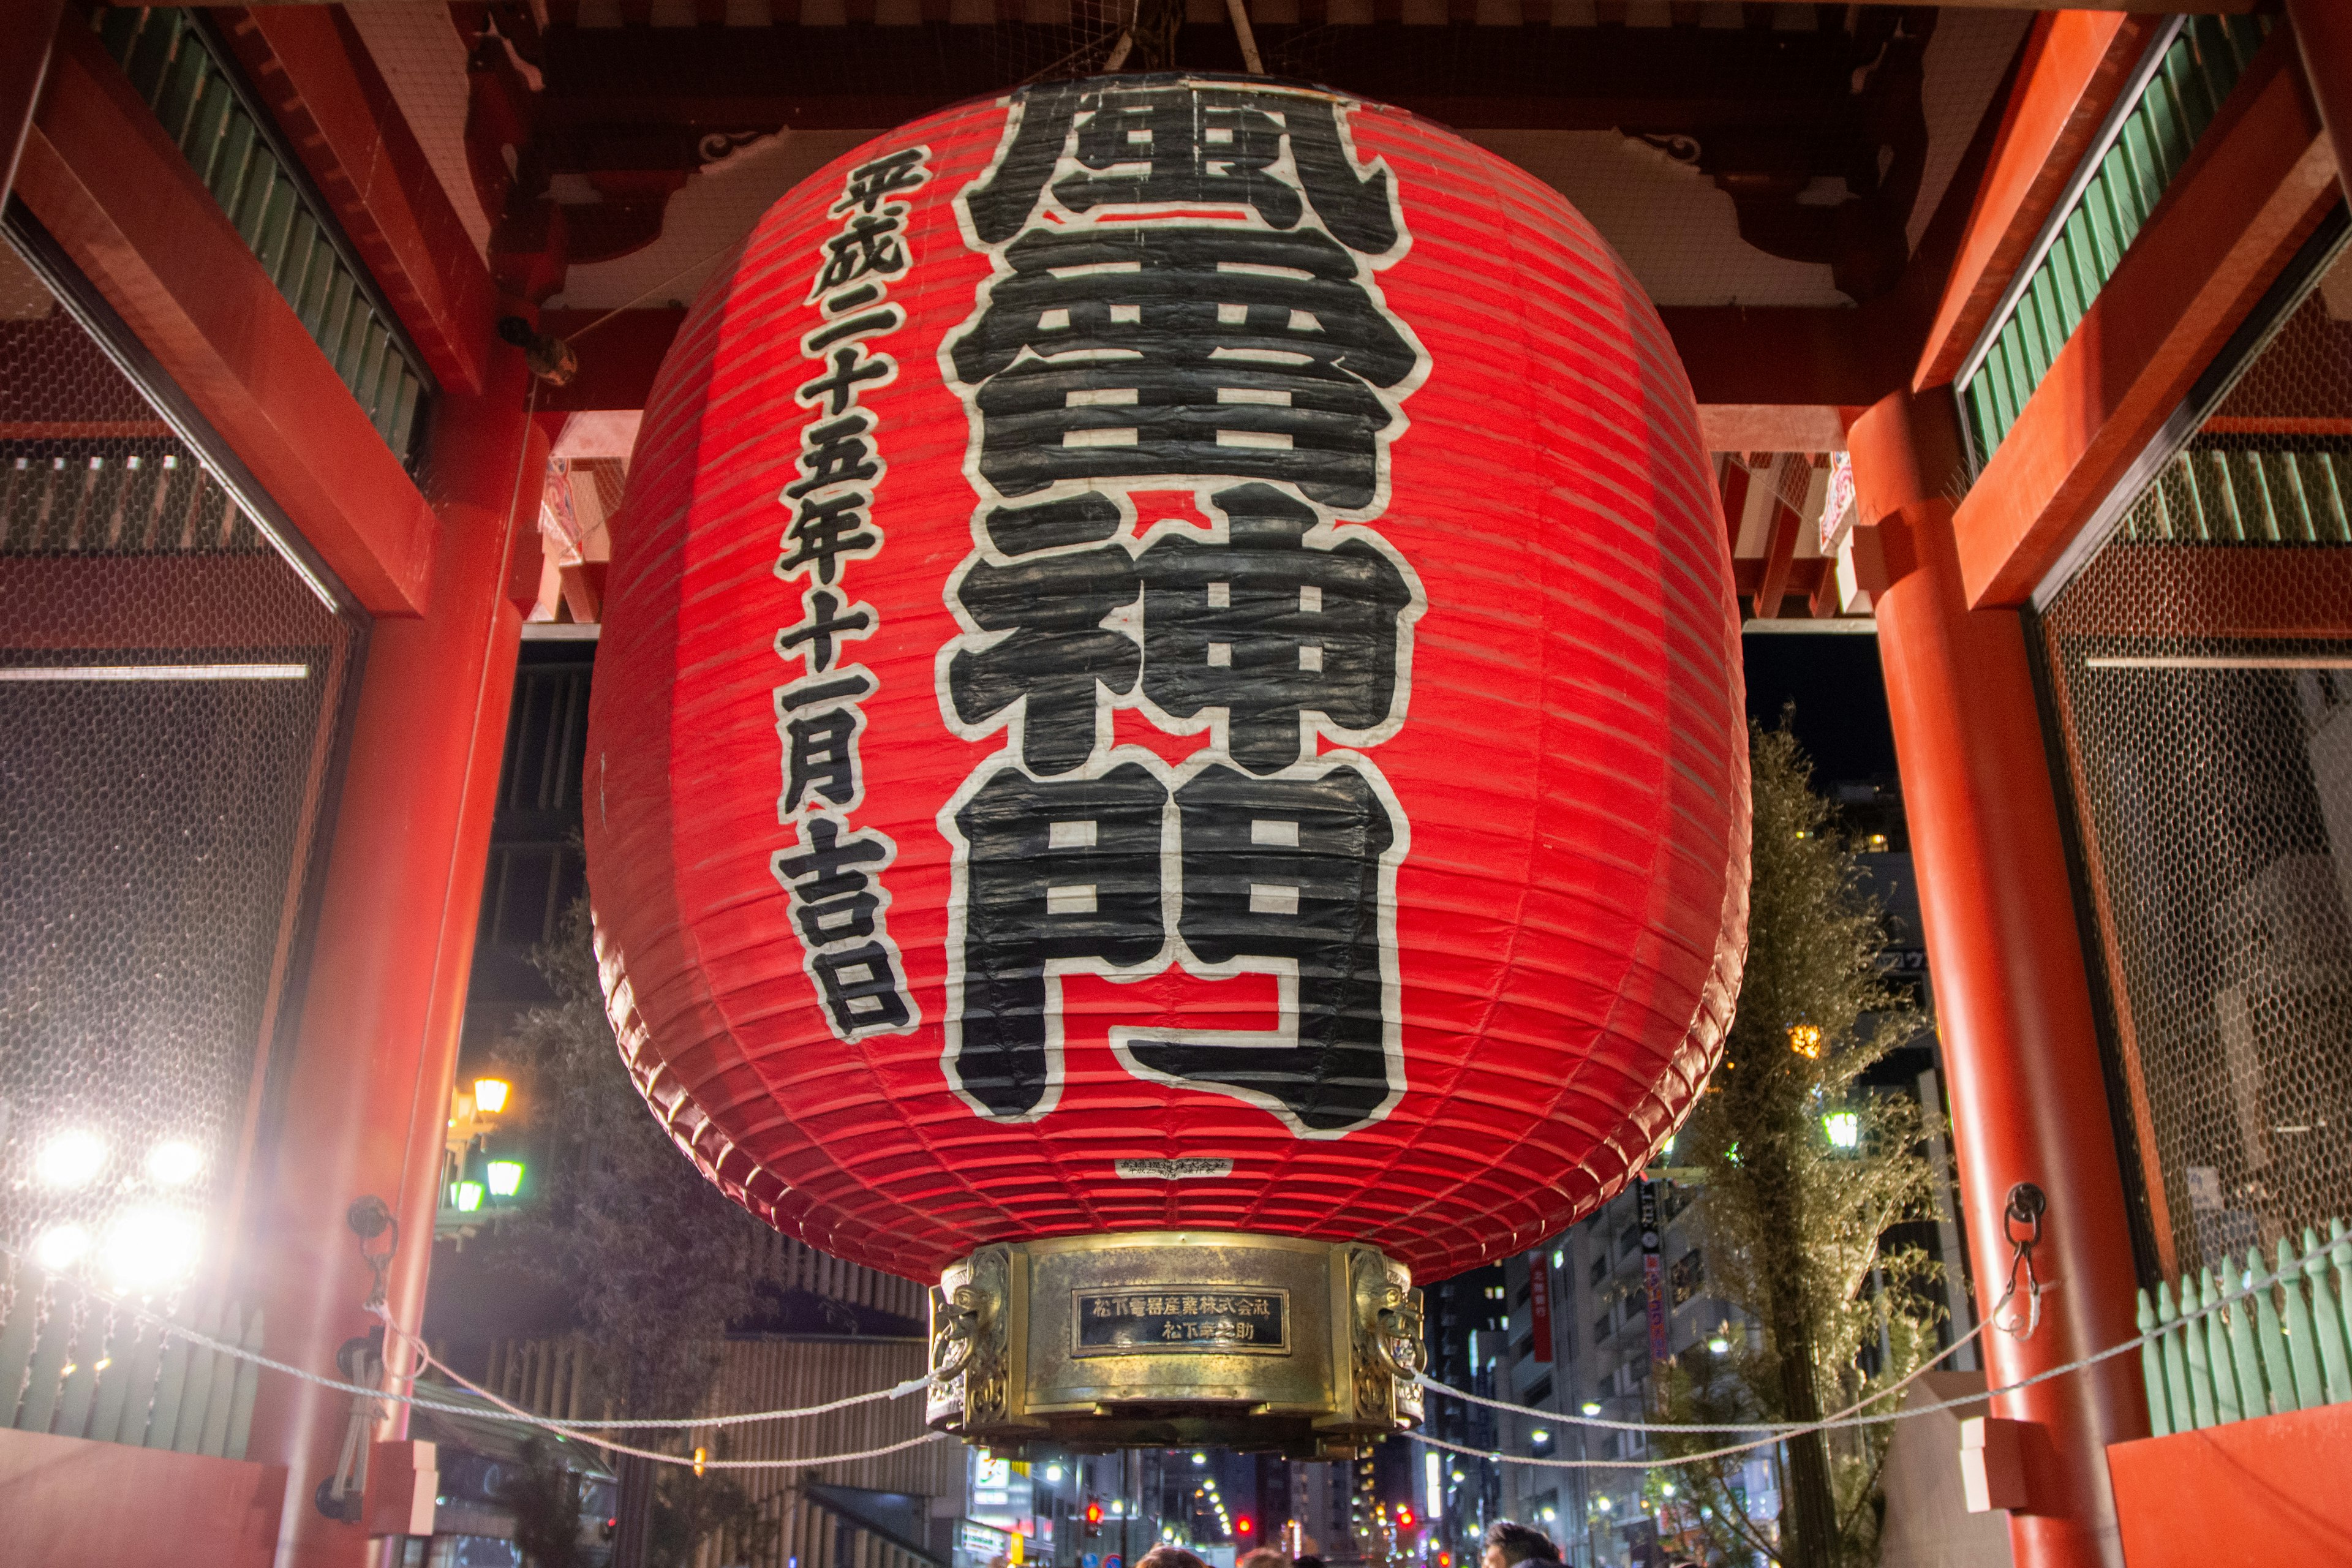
x: 181, y: 72
x: 2190, y: 71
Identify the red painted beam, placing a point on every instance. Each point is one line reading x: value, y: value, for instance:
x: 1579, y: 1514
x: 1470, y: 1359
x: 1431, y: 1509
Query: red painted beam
x: 1779, y: 554
x: 2259, y: 180
x: 1804, y: 578
x: 24, y: 61
x: 318, y: 80
x: 367, y: 1082
x: 1736, y: 481
x: 2074, y: 67
x: 2013, y: 996
x: 2323, y: 32
x: 116, y: 194
x: 72, y: 1503
x: 2270, y: 1490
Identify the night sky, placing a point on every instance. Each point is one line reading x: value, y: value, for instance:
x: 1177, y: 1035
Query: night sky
x: 1841, y: 701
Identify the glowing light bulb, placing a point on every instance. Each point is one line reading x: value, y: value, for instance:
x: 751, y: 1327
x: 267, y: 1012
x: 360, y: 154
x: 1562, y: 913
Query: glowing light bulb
x: 69, y: 1159
x: 151, y: 1249
x: 61, y: 1247
x: 176, y: 1162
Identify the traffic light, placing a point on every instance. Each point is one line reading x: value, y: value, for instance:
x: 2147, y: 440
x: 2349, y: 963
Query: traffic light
x: 1241, y: 1526
x: 1093, y: 1516
x: 1404, y: 1516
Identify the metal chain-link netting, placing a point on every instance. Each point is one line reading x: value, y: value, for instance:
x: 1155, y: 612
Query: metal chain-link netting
x: 169, y: 689
x: 2200, y: 674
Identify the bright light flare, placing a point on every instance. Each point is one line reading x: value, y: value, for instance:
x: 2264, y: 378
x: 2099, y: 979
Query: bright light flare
x: 174, y: 1162
x: 490, y: 1095
x: 505, y: 1178
x: 69, y: 1159
x: 1844, y: 1129
x: 61, y: 1247
x: 151, y: 1249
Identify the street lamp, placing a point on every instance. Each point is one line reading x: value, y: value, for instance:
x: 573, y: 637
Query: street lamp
x: 490, y: 1095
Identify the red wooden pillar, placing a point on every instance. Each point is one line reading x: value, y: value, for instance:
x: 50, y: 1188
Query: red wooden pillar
x: 2014, y: 1007
x: 2323, y: 35
x: 367, y: 1093
x: 25, y: 29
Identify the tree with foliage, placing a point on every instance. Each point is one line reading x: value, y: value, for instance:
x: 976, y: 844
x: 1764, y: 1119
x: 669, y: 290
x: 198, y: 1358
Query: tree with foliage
x: 1799, y: 1201
x: 648, y: 1251
x: 689, y: 1509
x: 544, y: 1494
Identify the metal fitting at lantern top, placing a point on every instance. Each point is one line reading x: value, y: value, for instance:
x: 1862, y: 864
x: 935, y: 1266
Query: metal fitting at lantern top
x: 1169, y: 1339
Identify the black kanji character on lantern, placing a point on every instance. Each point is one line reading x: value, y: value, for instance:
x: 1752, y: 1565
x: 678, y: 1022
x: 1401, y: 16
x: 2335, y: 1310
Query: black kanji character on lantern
x: 849, y: 372
x: 1066, y: 869
x: 871, y: 184
x: 821, y: 631
x: 1182, y: 349
x: 1172, y: 142
x: 836, y: 452
x: 1271, y: 630
x: 834, y: 902
x: 819, y: 724
x: 825, y: 528
x: 1290, y: 869
x: 868, y: 245
x: 1066, y: 575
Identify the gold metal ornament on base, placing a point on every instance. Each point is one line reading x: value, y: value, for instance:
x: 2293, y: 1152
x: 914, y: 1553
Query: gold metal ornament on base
x: 1171, y: 1338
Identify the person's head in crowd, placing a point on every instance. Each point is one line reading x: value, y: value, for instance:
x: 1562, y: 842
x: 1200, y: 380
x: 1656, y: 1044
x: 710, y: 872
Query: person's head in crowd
x: 1263, y: 1557
x: 1170, y: 1557
x: 1306, y: 1559
x: 1509, y: 1543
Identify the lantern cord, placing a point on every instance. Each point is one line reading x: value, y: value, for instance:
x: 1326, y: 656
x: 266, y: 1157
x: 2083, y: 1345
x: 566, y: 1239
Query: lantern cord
x: 569, y: 338
x: 1239, y: 12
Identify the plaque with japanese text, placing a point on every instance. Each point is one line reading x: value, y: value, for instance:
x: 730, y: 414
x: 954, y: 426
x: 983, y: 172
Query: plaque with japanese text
x: 1189, y: 1320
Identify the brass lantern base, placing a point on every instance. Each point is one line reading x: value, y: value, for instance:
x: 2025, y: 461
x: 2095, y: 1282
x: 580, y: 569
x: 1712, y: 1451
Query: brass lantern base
x: 1171, y: 1338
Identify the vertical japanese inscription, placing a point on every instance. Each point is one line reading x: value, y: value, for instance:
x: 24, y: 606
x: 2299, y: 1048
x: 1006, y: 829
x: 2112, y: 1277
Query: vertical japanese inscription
x: 1184, y: 298
x: 834, y: 875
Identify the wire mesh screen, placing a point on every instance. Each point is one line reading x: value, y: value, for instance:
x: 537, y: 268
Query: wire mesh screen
x: 2200, y: 669
x: 169, y: 695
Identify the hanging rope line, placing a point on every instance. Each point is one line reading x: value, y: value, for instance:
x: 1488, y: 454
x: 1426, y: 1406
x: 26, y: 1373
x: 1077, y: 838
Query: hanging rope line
x: 2020, y: 1262
x: 505, y: 1413
x: 2284, y: 1274
x: 584, y: 1431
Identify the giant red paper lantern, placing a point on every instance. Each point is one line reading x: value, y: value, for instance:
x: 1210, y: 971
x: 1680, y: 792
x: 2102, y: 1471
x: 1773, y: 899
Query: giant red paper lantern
x: 1169, y: 662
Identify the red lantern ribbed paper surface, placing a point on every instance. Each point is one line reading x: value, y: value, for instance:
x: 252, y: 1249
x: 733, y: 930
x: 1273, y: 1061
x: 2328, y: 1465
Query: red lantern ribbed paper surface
x: 1171, y: 663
